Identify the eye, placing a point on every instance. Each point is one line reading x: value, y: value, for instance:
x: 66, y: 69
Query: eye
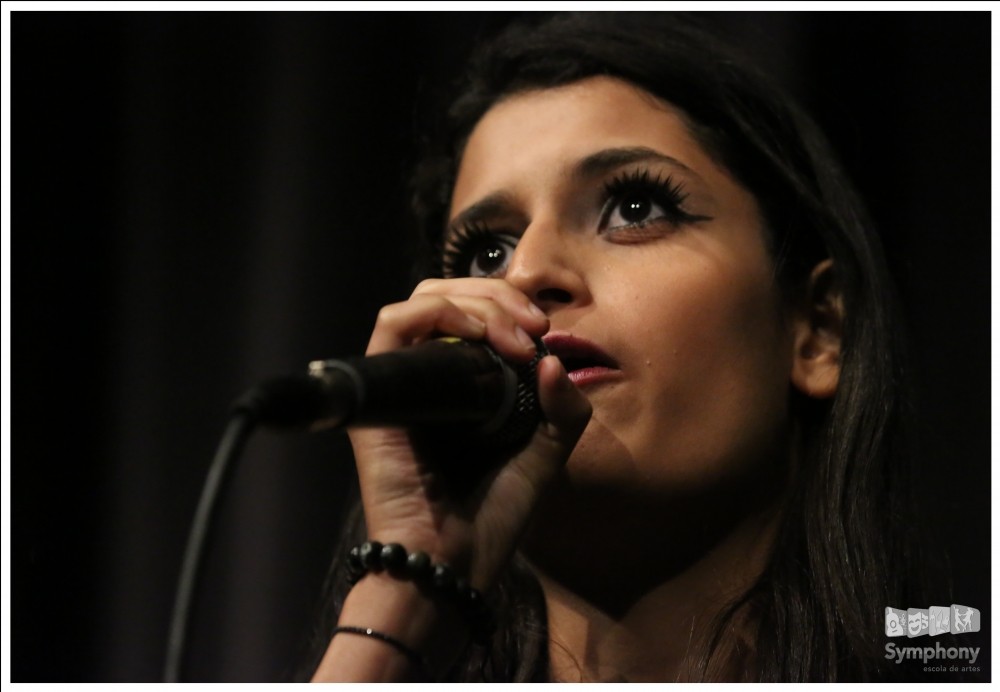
x: 492, y: 257
x: 477, y: 251
x: 635, y: 208
x: 639, y: 199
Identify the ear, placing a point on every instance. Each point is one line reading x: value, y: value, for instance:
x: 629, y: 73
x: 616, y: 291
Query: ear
x: 817, y: 330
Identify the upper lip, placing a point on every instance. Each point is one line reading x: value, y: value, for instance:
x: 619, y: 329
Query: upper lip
x: 576, y: 353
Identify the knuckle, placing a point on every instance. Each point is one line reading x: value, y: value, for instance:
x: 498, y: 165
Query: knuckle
x: 387, y: 315
x: 500, y: 315
x: 426, y: 286
x: 435, y: 303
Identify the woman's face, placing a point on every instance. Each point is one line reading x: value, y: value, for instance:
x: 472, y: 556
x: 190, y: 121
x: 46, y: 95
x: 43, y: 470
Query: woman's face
x: 596, y: 201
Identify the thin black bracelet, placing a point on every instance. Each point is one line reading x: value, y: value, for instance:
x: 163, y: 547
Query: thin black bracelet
x: 438, y: 580
x: 415, y: 659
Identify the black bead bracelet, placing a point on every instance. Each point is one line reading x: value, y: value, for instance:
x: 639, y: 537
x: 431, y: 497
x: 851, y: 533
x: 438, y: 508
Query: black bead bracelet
x: 438, y: 580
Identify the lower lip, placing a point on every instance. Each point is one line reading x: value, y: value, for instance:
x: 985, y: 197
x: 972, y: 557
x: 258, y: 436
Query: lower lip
x: 592, y: 375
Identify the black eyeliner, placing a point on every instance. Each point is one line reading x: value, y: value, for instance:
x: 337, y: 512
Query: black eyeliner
x: 662, y: 190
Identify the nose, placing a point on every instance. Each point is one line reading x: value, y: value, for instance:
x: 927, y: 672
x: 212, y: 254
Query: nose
x: 547, y: 267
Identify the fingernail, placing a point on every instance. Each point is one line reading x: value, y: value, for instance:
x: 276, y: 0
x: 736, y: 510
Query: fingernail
x: 564, y: 382
x: 523, y: 338
x: 478, y: 326
x: 536, y: 311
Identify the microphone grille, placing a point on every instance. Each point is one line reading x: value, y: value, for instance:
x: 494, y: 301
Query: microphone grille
x: 465, y: 453
x: 526, y: 413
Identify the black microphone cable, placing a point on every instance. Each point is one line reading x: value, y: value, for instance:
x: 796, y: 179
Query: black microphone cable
x: 238, y: 430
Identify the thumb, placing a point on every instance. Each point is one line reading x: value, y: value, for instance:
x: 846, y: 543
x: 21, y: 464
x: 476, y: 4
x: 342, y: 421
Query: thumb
x: 566, y: 414
x: 519, y: 484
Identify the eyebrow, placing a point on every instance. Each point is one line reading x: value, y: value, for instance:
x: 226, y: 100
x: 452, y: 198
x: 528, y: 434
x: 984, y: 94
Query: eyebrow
x: 608, y: 159
x: 593, y: 165
x: 489, y: 207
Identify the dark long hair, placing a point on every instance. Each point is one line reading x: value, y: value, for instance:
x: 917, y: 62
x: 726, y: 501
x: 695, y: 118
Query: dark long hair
x: 817, y: 608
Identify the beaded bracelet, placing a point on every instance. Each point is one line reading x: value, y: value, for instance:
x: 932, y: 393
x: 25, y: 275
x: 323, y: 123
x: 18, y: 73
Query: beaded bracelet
x: 437, y: 579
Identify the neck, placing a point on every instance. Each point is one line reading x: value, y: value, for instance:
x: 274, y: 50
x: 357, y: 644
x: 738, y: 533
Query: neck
x: 659, y: 633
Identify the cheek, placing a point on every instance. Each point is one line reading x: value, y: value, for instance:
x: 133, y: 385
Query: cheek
x: 713, y: 396
x: 725, y: 327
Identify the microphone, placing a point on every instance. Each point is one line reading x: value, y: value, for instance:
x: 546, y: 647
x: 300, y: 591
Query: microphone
x: 447, y: 386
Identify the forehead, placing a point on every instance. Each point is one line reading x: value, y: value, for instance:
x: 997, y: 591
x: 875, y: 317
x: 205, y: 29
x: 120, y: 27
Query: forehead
x: 544, y: 132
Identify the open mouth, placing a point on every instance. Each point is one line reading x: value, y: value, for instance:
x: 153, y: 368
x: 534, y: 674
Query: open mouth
x: 584, y: 361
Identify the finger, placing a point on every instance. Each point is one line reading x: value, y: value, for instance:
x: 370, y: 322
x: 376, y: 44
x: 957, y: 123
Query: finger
x: 527, y: 314
x: 567, y: 413
x: 400, y: 324
x: 563, y: 404
x: 503, y: 331
x: 426, y: 315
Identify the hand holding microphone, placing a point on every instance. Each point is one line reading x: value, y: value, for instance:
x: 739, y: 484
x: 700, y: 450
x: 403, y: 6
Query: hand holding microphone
x: 445, y: 430
x: 407, y: 496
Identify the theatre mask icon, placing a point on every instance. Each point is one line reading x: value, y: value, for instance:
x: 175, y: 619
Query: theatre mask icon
x: 917, y: 622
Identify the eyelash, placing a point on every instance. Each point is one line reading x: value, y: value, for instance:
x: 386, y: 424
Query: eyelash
x: 465, y: 243
x: 468, y: 240
x: 663, y: 191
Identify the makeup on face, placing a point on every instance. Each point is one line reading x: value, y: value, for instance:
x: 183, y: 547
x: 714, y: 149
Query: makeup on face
x: 634, y: 194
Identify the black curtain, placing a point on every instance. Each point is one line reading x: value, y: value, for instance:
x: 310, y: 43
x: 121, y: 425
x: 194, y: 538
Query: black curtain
x: 202, y: 200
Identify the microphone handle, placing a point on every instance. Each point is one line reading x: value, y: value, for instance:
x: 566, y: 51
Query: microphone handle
x: 445, y: 382
x: 440, y: 382
x: 459, y: 398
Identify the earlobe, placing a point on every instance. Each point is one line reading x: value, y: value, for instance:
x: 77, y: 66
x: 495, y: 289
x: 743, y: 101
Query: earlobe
x: 817, y: 332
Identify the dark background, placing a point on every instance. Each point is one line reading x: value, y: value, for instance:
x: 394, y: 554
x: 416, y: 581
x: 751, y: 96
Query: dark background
x: 203, y: 200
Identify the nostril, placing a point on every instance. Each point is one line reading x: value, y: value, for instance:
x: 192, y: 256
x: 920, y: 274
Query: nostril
x: 553, y: 295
